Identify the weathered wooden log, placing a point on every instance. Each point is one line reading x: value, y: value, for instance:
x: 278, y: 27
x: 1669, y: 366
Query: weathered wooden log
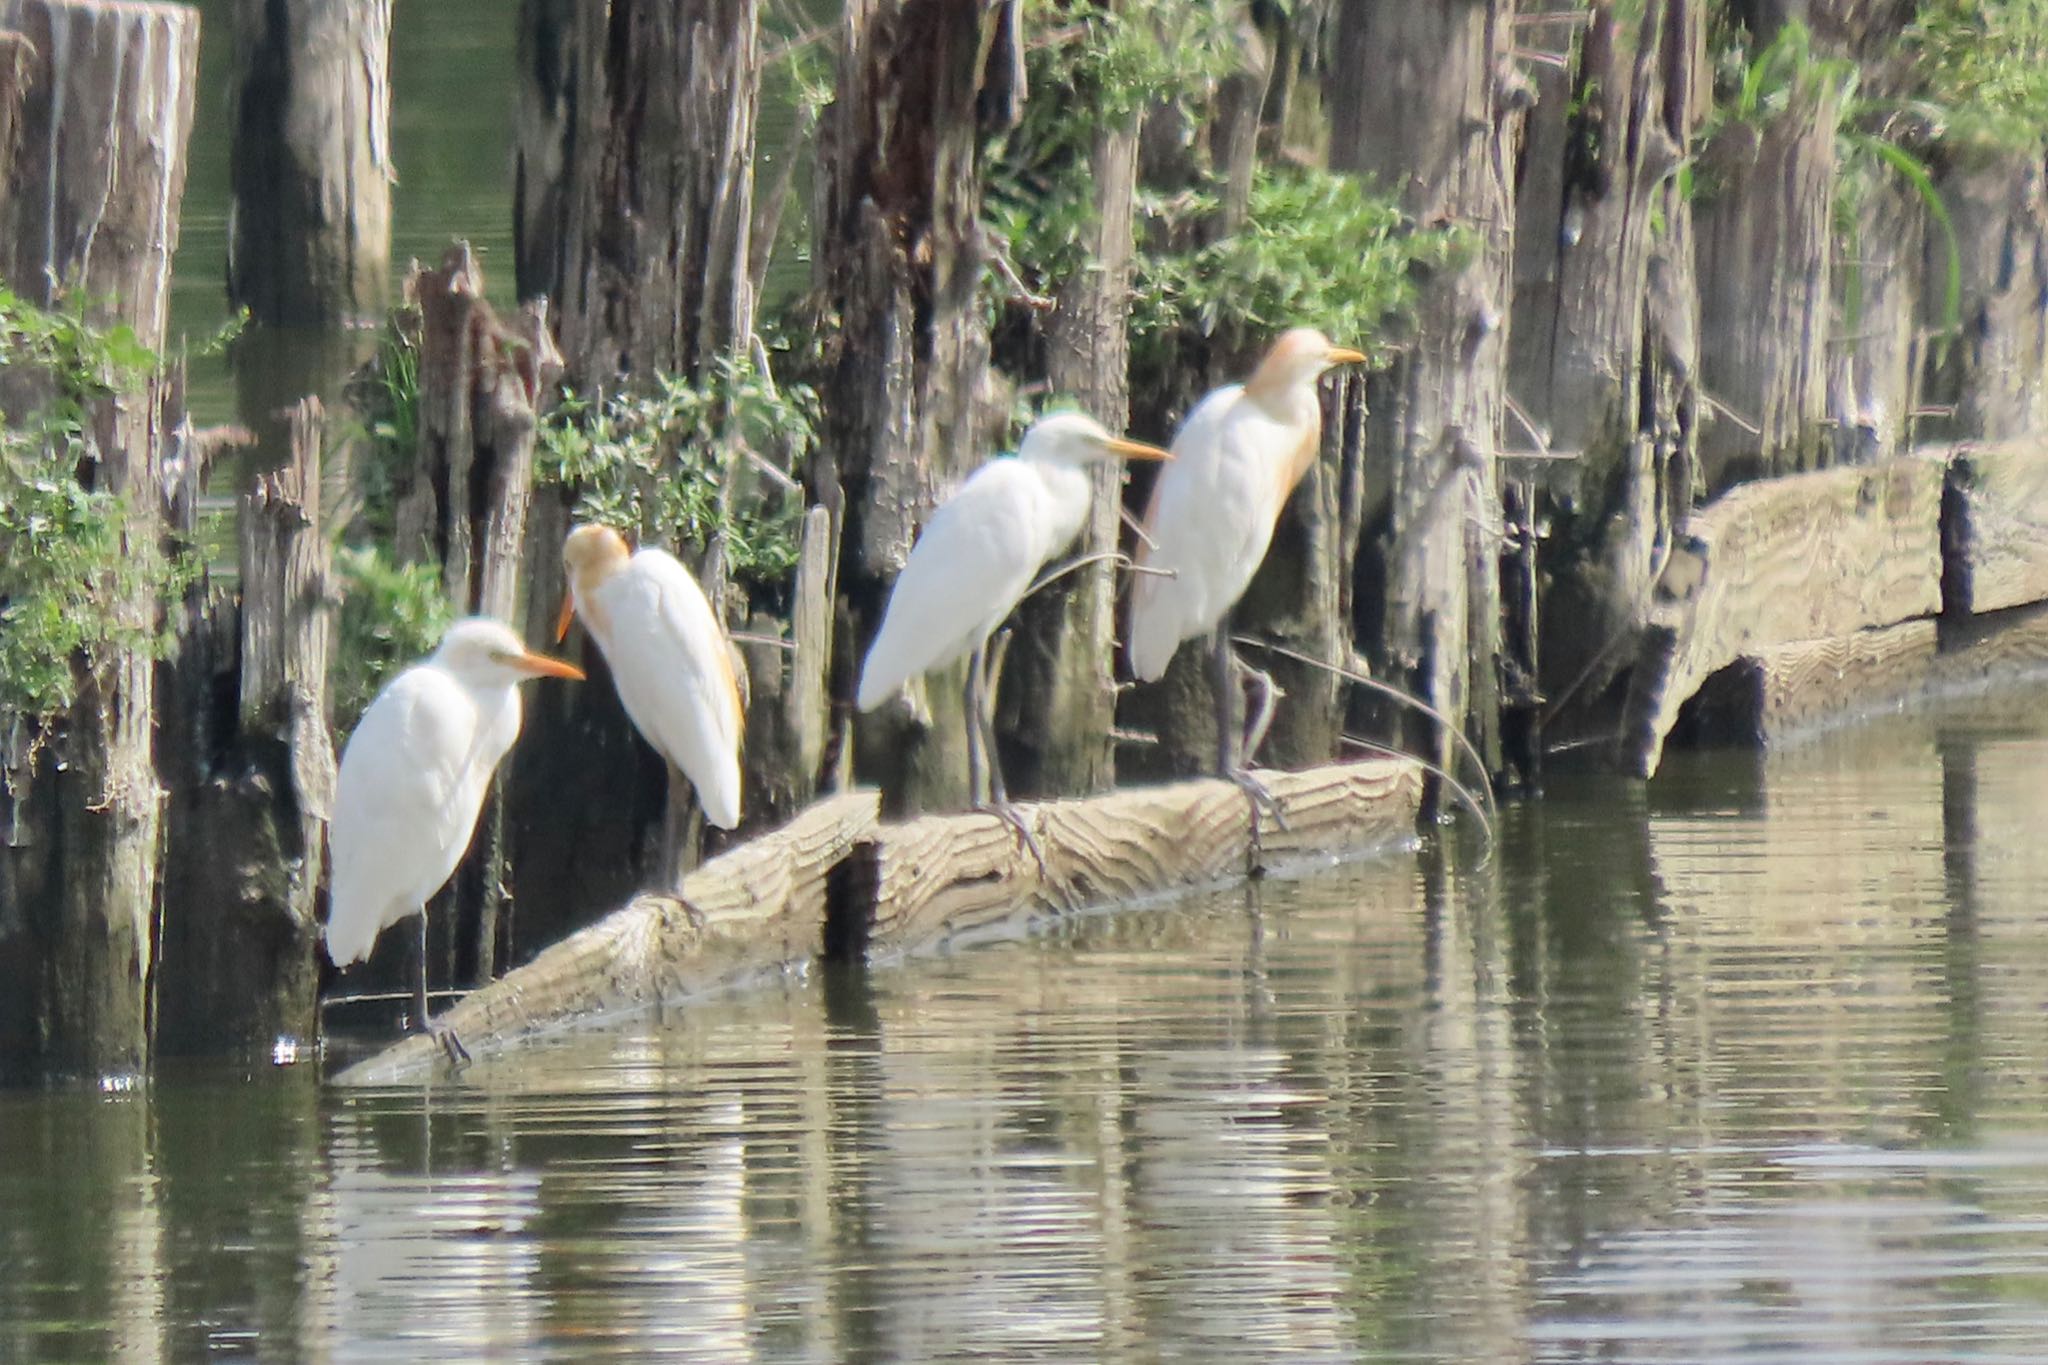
x: 250, y: 792
x: 1782, y: 691
x: 91, y: 214
x: 834, y: 884
x: 1604, y: 345
x: 944, y: 878
x: 760, y: 907
x: 908, y: 404
x: 1807, y: 557
x: 1058, y: 701
x: 1445, y: 74
x: 1765, y: 251
x: 309, y: 233
x: 1979, y: 651
x: 1994, y: 532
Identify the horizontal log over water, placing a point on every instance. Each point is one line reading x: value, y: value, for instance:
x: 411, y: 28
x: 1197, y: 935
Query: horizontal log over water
x: 835, y: 882
x: 1785, y: 689
x: 1804, y: 558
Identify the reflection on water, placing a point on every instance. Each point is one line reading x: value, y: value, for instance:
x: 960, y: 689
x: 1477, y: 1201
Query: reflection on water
x: 1745, y: 1064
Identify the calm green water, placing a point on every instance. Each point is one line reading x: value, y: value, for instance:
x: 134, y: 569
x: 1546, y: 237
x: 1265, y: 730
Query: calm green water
x: 1749, y: 1066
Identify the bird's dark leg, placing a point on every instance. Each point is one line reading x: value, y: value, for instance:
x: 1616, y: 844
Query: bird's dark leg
x: 419, y: 994
x: 1233, y: 746
x: 977, y: 775
x: 458, y: 1055
x: 1262, y: 719
x: 981, y: 721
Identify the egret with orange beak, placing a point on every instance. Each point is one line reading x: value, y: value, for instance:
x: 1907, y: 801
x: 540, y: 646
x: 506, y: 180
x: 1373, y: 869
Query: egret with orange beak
x: 1236, y: 461
x: 669, y: 658
x: 412, y: 783
x: 978, y: 555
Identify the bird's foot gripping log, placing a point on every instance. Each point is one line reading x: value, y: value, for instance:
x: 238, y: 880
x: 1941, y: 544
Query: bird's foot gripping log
x: 1236, y: 749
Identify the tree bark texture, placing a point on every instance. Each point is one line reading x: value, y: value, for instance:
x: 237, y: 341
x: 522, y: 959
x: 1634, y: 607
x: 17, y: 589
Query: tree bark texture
x: 1604, y: 343
x: 545, y: 133
x: 1059, y: 688
x: 659, y: 187
x: 907, y: 402
x: 251, y: 786
x: 92, y: 213
x: 1425, y: 101
x: 1991, y: 377
x: 1765, y: 281
x: 309, y: 239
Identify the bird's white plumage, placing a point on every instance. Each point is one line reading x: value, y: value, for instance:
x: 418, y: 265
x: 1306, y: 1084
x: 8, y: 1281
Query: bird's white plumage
x: 413, y: 778
x: 672, y: 667
x: 977, y: 555
x: 1211, y: 520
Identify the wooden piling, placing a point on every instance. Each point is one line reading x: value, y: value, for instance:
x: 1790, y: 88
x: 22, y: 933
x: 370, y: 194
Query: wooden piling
x: 1446, y: 75
x: 91, y: 214
x: 835, y: 884
x: 251, y: 788
x: 908, y: 403
x: 1765, y: 288
x: 309, y: 239
x: 463, y: 502
x: 1058, y: 702
x: 1603, y: 348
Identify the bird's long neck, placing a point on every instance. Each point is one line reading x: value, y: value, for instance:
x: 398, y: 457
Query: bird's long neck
x: 584, y: 581
x: 1069, y: 488
x: 1293, y: 404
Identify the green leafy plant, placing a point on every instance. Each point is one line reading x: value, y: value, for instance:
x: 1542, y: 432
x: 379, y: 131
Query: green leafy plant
x: 391, y: 614
x: 1317, y: 248
x: 692, y: 462
x: 1982, y: 69
x: 76, y: 588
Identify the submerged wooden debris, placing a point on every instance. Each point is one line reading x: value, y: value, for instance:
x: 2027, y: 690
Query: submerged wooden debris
x: 835, y: 883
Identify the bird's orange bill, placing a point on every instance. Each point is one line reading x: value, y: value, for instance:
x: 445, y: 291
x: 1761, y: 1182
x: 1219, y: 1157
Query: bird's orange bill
x: 568, y: 614
x: 1135, y: 450
x: 1344, y: 355
x: 542, y: 666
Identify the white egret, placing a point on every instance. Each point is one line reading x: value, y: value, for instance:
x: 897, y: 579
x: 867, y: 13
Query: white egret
x: 670, y: 660
x: 974, y: 561
x: 1236, y: 461
x: 412, y: 782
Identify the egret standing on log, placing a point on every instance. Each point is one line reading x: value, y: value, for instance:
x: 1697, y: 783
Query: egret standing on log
x: 670, y: 661
x: 977, y: 557
x: 1236, y: 460
x: 412, y: 783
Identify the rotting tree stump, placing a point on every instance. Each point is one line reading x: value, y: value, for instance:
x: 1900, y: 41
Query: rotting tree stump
x: 90, y: 207
x: 463, y: 504
x: 908, y: 403
x: 251, y: 785
x: 309, y: 240
x: 834, y: 884
x: 1445, y: 74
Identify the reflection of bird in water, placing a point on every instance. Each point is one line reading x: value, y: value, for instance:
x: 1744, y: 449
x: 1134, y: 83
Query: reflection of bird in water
x: 669, y: 659
x: 1236, y: 460
x: 976, y: 558
x: 412, y: 783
